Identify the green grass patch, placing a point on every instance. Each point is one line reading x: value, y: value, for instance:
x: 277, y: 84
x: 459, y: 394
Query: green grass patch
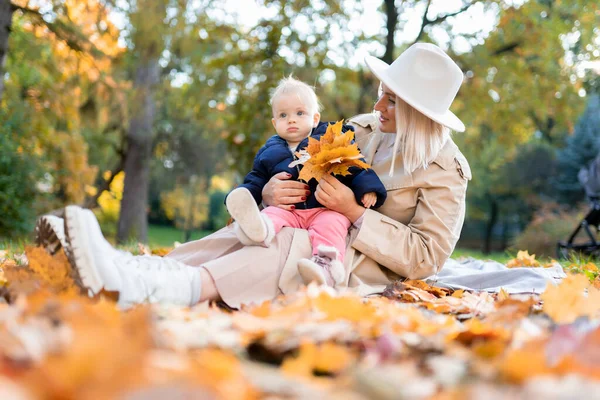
x: 501, y: 257
x: 17, y: 245
x: 165, y: 236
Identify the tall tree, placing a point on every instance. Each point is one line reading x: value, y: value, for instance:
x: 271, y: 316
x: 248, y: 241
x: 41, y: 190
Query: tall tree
x: 59, y: 65
x: 6, y: 13
x: 147, y: 22
x: 522, y: 83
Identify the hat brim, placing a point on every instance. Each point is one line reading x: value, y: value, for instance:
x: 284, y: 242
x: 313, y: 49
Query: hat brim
x: 379, y: 69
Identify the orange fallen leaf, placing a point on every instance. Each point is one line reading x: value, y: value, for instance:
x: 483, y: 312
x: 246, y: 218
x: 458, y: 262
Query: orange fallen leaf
x: 328, y: 358
x: 520, y: 364
x: 568, y: 301
x: 523, y: 259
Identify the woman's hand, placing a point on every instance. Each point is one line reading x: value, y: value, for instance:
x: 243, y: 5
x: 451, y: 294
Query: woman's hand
x: 336, y: 196
x: 283, y: 193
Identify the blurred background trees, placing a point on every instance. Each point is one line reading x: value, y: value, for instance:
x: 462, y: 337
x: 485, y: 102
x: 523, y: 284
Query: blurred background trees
x: 151, y: 110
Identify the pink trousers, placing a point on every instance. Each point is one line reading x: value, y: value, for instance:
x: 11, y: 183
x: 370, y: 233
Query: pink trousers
x: 327, y: 229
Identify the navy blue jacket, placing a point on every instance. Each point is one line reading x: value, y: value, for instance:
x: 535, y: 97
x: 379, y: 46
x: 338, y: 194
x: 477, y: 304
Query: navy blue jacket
x: 275, y: 156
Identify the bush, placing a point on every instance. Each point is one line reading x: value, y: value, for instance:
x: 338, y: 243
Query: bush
x: 551, y: 223
x: 580, y: 150
x: 19, y: 174
x: 217, y: 212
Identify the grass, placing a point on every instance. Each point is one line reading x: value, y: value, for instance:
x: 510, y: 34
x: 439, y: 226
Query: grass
x: 501, y: 257
x: 158, y: 236
x: 165, y: 236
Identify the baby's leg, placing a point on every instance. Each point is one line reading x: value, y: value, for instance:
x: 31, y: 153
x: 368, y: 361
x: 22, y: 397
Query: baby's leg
x: 328, y: 230
x: 277, y: 218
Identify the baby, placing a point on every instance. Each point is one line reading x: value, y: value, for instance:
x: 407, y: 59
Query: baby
x: 296, y: 117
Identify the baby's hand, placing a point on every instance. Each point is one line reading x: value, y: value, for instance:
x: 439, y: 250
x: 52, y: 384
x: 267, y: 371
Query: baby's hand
x: 369, y: 199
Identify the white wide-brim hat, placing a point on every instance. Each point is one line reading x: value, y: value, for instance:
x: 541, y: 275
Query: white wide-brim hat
x: 424, y: 77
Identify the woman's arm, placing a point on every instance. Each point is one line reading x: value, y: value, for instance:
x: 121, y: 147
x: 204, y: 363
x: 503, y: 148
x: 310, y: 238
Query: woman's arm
x: 420, y: 248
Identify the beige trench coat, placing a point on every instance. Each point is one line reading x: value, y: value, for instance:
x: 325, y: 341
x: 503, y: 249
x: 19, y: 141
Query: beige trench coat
x: 411, y: 235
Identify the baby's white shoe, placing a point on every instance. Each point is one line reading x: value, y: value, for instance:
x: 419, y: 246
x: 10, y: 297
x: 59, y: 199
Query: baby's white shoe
x: 251, y: 227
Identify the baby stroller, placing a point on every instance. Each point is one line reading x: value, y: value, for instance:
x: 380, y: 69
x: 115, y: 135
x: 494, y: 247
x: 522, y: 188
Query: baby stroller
x: 590, y: 180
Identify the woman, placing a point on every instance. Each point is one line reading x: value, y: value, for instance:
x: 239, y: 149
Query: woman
x: 411, y: 235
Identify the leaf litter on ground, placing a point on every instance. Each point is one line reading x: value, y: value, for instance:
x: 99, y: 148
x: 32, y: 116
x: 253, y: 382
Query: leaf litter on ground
x: 414, y: 341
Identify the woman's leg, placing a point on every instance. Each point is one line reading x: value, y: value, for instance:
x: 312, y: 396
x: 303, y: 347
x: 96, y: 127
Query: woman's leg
x: 252, y: 274
x: 138, y: 279
x: 197, y: 252
x: 249, y: 275
x: 208, y: 289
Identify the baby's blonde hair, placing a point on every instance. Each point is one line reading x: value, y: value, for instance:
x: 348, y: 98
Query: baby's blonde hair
x: 421, y: 137
x: 305, y: 93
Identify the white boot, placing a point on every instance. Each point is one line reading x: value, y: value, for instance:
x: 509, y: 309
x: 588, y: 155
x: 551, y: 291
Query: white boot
x: 251, y: 227
x: 50, y: 234
x: 138, y: 279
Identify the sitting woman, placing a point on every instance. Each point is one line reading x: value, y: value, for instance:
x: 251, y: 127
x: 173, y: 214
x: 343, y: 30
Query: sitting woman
x: 408, y: 143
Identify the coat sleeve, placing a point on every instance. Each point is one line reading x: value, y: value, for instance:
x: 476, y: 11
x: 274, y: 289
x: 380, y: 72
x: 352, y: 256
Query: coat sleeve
x: 366, y: 181
x: 364, y: 125
x: 420, y: 248
x: 257, y: 178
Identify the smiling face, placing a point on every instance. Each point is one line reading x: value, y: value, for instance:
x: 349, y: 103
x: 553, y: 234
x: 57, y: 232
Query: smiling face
x: 292, y: 119
x: 386, y: 105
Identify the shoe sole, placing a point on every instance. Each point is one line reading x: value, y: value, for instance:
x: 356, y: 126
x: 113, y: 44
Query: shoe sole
x: 311, y: 273
x: 245, y: 212
x: 80, y: 249
x: 50, y: 234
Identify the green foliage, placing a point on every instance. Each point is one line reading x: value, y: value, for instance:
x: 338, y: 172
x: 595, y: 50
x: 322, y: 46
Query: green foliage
x: 529, y: 174
x: 582, y: 264
x: 549, y: 225
x: 186, y: 205
x: 71, y: 80
x: 580, y: 149
x: 19, y: 175
x: 217, y: 212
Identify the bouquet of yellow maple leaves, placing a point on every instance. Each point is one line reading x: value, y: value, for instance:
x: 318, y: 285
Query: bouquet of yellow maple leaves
x: 335, y: 153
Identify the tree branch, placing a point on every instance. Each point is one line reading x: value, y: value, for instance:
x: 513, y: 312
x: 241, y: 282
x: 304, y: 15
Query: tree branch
x: 64, y: 32
x: 391, y: 13
x: 506, y: 48
x: 441, y: 18
x: 424, y: 23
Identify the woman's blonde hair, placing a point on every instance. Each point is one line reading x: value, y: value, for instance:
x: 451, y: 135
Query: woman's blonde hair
x: 305, y: 93
x: 421, y: 137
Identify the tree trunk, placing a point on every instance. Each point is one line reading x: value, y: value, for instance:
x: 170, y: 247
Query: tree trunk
x: 133, y: 221
x: 365, y: 84
x: 487, y: 245
x: 391, y: 21
x: 6, y: 12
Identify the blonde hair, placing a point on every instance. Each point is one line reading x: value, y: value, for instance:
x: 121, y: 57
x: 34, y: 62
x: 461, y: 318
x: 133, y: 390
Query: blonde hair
x: 306, y: 94
x: 421, y: 137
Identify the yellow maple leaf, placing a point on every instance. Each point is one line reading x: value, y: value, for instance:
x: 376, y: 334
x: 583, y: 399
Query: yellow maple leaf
x: 568, y: 301
x: 334, y: 154
x: 523, y: 363
x: 327, y: 357
x: 523, y: 259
